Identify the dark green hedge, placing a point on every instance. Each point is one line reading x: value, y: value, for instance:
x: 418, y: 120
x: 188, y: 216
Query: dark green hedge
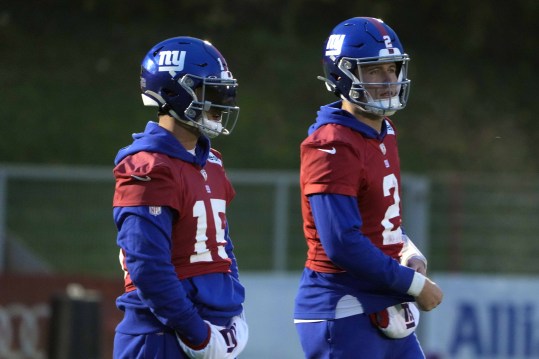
x: 69, y: 77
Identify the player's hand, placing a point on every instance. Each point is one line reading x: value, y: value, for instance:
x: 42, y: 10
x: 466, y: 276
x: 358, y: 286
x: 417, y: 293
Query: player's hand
x: 430, y: 297
x: 418, y: 265
x: 242, y: 334
x: 225, y: 342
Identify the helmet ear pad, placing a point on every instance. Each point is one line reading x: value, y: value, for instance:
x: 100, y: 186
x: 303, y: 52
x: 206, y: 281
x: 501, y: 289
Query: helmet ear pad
x: 176, y: 98
x: 166, y: 91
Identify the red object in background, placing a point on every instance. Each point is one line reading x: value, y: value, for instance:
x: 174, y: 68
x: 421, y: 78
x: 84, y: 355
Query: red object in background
x: 25, y: 309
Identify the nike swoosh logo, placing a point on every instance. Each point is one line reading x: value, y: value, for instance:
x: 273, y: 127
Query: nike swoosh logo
x: 332, y: 151
x: 143, y: 179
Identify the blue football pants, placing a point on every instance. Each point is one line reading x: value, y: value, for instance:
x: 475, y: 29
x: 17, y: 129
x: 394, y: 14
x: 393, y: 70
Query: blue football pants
x: 147, y: 346
x: 354, y: 337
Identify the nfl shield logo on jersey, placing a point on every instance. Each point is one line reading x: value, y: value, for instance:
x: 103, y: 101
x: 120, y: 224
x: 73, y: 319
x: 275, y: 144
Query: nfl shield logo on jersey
x: 155, y: 210
x: 204, y: 174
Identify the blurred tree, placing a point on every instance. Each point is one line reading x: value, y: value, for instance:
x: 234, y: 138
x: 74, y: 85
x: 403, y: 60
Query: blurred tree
x: 69, y: 77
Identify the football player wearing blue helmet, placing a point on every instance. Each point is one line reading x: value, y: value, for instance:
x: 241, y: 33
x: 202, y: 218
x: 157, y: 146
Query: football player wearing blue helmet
x: 360, y: 44
x: 188, y: 79
x: 183, y: 297
x: 364, y: 279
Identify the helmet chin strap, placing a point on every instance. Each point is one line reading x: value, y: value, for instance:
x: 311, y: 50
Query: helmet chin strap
x: 211, y: 128
x: 368, y: 107
x: 378, y: 107
x: 383, y: 107
x: 330, y: 85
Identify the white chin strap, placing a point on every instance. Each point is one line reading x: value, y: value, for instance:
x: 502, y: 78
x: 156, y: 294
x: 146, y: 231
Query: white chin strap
x: 206, y: 126
x: 211, y: 128
x: 383, y: 107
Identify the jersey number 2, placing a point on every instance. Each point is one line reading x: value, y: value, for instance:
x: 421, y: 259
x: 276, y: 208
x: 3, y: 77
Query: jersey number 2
x: 391, y: 235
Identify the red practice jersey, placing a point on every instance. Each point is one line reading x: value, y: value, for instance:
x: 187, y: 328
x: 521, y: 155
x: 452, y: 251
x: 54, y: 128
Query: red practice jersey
x: 198, y: 196
x: 339, y: 160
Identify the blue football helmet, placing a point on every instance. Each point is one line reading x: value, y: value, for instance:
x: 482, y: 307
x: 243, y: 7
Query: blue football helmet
x: 365, y: 41
x: 188, y: 78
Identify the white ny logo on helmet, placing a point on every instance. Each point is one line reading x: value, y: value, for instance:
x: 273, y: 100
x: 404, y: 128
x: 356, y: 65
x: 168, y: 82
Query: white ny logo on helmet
x: 334, y: 45
x: 173, y: 60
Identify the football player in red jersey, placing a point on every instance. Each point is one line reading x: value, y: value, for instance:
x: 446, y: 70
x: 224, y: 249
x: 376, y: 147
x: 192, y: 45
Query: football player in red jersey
x: 183, y: 297
x: 363, y: 276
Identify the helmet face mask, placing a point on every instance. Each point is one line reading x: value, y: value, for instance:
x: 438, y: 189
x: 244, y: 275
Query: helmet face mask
x: 365, y: 93
x: 359, y: 43
x: 214, y: 97
x: 189, y: 79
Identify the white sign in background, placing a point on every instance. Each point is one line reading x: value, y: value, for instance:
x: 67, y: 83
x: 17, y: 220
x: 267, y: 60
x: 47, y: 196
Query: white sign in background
x: 483, y: 317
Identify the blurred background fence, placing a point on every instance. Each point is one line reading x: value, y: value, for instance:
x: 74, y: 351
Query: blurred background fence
x: 59, y: 218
